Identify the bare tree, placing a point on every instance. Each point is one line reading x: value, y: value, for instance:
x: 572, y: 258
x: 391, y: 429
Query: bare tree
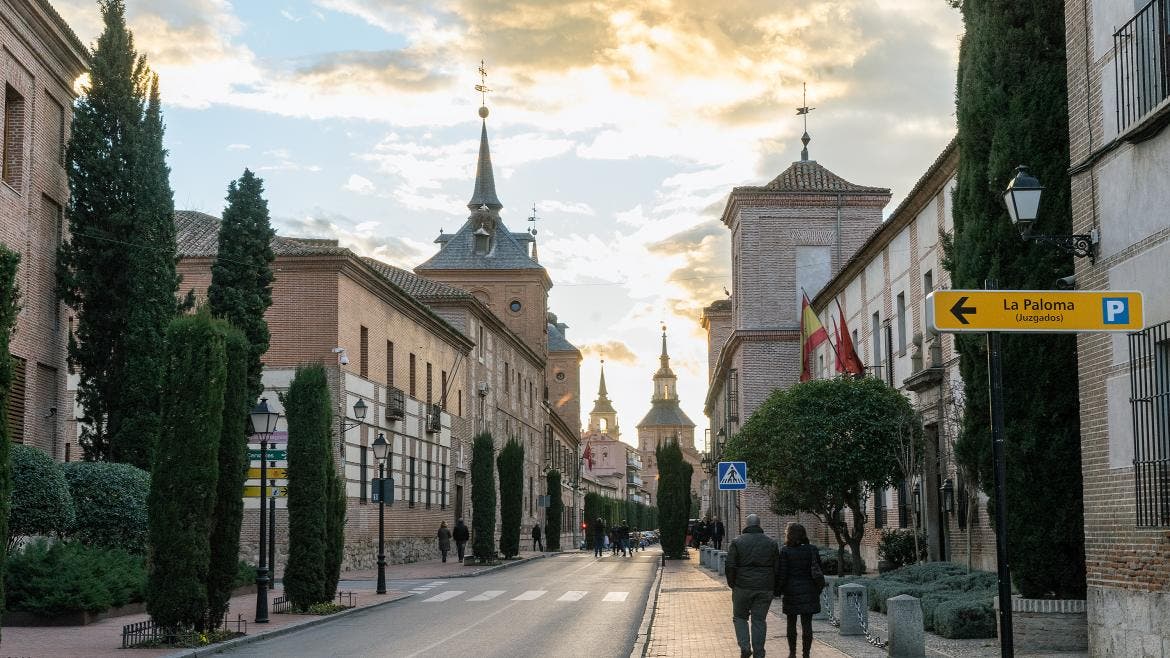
x: 909, y: 456
x: 952, y: 401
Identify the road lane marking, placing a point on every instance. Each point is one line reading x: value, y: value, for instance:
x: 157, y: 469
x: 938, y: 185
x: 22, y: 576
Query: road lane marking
x: 616, y: 597
x: 488, y: 595
x: 572, y: 595
x: 531, y: 595
x: 444, y: 596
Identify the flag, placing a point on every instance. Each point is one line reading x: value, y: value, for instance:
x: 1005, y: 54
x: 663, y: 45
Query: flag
x: 812, y: 334
x: 588, y: 456
x: 847, y: 359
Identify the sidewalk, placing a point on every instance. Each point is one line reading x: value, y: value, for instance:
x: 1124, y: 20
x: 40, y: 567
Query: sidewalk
x: 692, y: 617
x: 435, y: 569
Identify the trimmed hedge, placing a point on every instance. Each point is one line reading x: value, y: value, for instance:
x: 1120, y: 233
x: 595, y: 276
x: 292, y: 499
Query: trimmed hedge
x: 897, y: 547
x: 955, y: 603
x: 62, y: 577
x: 41, y: 504
x: 110, y: 501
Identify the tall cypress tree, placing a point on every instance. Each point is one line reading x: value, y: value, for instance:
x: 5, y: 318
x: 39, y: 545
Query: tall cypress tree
x: 556, y: 509
x: 674, y: 498
x: 307, y: 408
x: 511, y: 467
x: 241, y: 278
x: 483, y: 497
x: 117, y: 270
x: 9, y: 260
x: 1012, y: 109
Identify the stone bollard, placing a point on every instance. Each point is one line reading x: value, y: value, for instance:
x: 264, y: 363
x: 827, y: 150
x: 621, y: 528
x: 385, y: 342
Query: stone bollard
x: 705, y: 556
x: 907, y: 637
x: 829, y: 593
x: 721, y: 557
x: 847, y: 597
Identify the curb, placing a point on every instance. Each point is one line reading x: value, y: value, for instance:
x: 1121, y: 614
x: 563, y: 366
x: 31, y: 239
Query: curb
x: 497, y: 567
x: 642, y: 644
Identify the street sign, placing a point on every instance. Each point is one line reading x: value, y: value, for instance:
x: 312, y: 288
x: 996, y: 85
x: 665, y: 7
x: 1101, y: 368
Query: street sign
x: 254, y: 491
x: 273, y: 455
x: 273, y: 473
x: 732, y: 476
x: 1033, y: 311
x: 379, y: 487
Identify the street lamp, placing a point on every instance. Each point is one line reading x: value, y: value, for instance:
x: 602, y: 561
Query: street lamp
x: 263, y: 425
x: 705, y: 462
x: 381, y: 451
x: 1022, y: 198
x: 948, y: 492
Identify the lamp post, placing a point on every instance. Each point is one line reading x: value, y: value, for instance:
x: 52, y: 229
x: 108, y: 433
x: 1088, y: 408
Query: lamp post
x: 263, y: 425
x: 1022, y: 198
x: 272, y: 536
x: 381, y: 451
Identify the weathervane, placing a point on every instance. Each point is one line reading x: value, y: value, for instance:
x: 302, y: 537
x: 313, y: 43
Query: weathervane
x: 803, y: 112
x: 482, y: 87
x: 532, y: 220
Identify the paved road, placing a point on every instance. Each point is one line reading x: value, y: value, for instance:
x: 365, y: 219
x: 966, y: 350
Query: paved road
x: 567, y: 605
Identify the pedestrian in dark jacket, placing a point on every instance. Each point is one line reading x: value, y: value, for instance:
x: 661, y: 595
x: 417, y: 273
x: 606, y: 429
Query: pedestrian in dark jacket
x: 537, y: 545
x: 598, y: 537
x: 753, y: 560
x: 718, y: 532
x: 799, y: 587
x: 461, y: 535
x: 444, y: 535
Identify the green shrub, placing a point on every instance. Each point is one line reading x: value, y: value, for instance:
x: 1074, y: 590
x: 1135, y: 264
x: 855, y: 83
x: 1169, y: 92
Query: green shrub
x: 955, y: 604
x: 245, y: 575
x: 926, y: 572
x: 8, y: 310
x: 897, y: 547
x: 510, y: 464
x: 965, y: 617
x: 556, y: 508
x: 110, y: 503
x: 40, y: 501
x: 62, y: 577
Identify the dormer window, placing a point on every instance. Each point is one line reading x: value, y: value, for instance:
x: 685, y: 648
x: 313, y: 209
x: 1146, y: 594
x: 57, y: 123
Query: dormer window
x: 483, y: 241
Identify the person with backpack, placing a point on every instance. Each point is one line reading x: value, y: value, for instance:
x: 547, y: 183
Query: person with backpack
x: 799, y: 582
x: 753, y: 560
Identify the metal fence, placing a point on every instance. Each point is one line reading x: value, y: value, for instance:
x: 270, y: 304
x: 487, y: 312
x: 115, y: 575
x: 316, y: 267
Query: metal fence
x: 148, y: 631
x: 345, y: 599
x: 1149, y: 373
x: 1141, y: 63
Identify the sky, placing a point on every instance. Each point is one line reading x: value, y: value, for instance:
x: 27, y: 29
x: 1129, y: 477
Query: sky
x: 625, y: 124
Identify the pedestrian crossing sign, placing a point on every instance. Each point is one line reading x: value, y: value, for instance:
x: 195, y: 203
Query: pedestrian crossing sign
x: 732, y: 476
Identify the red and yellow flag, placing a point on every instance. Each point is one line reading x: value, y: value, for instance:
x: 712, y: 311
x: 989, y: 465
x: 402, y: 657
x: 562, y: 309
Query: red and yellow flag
x: 812, y: 334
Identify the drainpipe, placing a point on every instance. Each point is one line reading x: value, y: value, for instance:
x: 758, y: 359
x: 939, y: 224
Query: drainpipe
x: 839, y: 263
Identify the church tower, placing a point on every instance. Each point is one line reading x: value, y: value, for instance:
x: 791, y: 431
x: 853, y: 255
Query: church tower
x: 603, y: 418
x: 666, y: 422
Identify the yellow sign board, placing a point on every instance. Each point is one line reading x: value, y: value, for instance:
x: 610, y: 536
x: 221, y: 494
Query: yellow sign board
x: 254, y: 492
x: 273, y: 473
x: 1033, y: 311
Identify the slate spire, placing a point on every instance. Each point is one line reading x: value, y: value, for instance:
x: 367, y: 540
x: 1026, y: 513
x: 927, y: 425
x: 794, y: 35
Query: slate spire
x: 484, y: 193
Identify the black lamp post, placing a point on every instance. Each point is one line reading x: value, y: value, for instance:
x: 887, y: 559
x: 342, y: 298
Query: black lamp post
x: 381, y: 451
x: 263, y: 425
x: 1022, y: 198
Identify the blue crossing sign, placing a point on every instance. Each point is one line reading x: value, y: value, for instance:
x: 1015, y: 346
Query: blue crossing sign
x: 732, y: 476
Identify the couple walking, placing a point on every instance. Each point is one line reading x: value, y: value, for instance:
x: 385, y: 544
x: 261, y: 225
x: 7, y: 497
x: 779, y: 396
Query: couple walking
x: 757, y: 570
x: 461, y: 535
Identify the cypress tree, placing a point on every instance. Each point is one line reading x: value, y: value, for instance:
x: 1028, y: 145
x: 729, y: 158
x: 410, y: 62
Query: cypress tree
x: 307, y: 408
x: 511, y: 467
x: 117, y: 270
x: 183, y: 481
x: 334, y: 531
x: 241, y: 278
x: 556, y: 509
x: 592, y: 511
x: 483, y: 497
x: 1012, y: 109
x: 674, y: 499
x: 9, y: 261
x: 233, y: 469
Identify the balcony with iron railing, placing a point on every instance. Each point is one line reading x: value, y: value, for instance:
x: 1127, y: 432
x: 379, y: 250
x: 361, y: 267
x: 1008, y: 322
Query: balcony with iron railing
x: 632, y: 479
x: 1141, y: 63
x: 634, y: 461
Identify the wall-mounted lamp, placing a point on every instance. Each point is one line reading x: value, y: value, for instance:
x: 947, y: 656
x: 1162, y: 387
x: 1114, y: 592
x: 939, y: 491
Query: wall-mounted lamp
x: 948, y: 495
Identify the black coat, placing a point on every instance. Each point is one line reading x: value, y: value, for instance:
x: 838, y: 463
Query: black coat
x: 461, y: 534
x: 752, y: 560
x: 794, y: 580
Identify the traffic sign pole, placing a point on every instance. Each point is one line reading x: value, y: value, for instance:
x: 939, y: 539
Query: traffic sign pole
x: 1003, y: 570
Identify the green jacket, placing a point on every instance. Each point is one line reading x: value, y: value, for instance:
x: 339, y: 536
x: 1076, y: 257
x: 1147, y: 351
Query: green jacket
x: 753, y: 560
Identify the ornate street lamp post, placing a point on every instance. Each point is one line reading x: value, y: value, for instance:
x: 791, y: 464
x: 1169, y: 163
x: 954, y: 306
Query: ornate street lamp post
x: 381, y: 452
x: 263, y: 425
x: 1022, y: 198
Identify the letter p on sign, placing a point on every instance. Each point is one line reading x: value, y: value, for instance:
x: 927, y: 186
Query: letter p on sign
x: 1115, y: 310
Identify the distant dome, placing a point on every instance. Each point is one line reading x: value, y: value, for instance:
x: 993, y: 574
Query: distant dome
x: 483, y: 112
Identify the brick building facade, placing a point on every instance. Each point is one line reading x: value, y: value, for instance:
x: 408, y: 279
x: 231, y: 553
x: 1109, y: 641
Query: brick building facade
x: 40, y: 59
x: 667, y: 423
x: 1119, y: 106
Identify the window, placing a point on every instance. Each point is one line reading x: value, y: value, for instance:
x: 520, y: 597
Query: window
x: 443, y: 390
x: 411, y: 504
x: 443, y: 487
x: 56, y: 114
x: 428, y: 478
x: 560, y: 376
x: 413, y: 390
x: 1149, y: 373
x: 901, y: 308
x: 429, y: 384
x: 879, y: 508
x: 1141, y: 63
x: 515, y: 306
x: 481, y: 345
x: 459, y: 395
x: 13, y: 165
x: 905, y: 505
x: 733, y: 395
x: 530, y: 497
x: 507, y: 377
x: 875, y: 355
x: 364, y: 353
x: 390, y: 363
x: 889, y: 369
x: 15, y: 402
x: 365, y: 470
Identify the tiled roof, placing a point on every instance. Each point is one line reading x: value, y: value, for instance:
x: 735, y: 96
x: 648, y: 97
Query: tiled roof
x: 665, y: 412
x: 414, y: 285
x: 719, y: 305
x: 458, y: 252
x: 557, y: 341
x: 197, y: 235
x: 808, y: 176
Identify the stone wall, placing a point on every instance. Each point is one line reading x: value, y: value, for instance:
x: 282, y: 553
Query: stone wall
x: 1052, y: 625
x: 1128, y: 623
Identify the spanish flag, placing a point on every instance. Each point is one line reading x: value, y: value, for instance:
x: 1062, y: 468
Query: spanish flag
x: 812, y: 333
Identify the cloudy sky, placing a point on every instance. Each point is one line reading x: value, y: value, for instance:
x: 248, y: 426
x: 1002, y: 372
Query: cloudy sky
x: 624, y: 123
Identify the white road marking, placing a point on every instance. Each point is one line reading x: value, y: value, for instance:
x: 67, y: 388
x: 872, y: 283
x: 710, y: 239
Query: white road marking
x: 617, y: 597
x: 488, y: 595
x: 531, y: 595
x: 444, y: 596
x: 572, y: 595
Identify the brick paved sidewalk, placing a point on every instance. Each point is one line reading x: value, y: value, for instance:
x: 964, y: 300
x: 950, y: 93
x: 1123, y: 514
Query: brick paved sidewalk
x: 693, y: 617
x: 104, y: 638
x: 433, y: 569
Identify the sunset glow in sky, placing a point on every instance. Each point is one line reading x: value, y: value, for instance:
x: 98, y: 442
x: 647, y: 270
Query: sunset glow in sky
x: 625, y: 123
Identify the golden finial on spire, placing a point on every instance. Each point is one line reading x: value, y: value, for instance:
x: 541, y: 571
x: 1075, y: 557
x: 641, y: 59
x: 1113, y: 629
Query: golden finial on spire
x: 483, y: 90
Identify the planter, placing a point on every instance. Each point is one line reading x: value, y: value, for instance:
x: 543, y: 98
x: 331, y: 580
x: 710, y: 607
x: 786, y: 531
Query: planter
x: 1049, y: 624
x: 83, y: 618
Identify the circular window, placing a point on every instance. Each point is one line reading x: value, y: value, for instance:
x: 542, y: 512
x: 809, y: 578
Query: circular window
x: 515, y: 306
x: 560, y: 376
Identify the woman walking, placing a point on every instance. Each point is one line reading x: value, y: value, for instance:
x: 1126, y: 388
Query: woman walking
x: 799, y: 580
x: 444, y: 535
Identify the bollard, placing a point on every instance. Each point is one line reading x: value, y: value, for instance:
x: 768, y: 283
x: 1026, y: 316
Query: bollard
x: 847, y: 596
x: 830, y: 593
x: 705, y: 557
x: 907, y: 637
x: 721, y: 557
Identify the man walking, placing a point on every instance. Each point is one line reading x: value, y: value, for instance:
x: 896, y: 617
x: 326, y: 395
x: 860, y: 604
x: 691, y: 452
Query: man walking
x: 598, y: 537
x: 718, y: 532
x: 460, y: 535
x: 753, y: 560
x: 537, y: 544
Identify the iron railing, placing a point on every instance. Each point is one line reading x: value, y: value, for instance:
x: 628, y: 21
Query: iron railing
x: 144, y: 632
x: 1140, y: 62
x: 1149, y: 375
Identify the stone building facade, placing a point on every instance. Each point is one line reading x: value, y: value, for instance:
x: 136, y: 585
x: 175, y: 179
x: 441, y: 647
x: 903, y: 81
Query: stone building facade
x: 792, y: 234
x: 881, y: 291
x: 563, y: 442
x: 40, y: 59
x: 1119, y: 106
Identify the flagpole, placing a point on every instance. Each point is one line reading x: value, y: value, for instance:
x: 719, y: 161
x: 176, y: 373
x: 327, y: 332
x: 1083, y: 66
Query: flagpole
x: 827, y: 336
x: 841, y: 311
